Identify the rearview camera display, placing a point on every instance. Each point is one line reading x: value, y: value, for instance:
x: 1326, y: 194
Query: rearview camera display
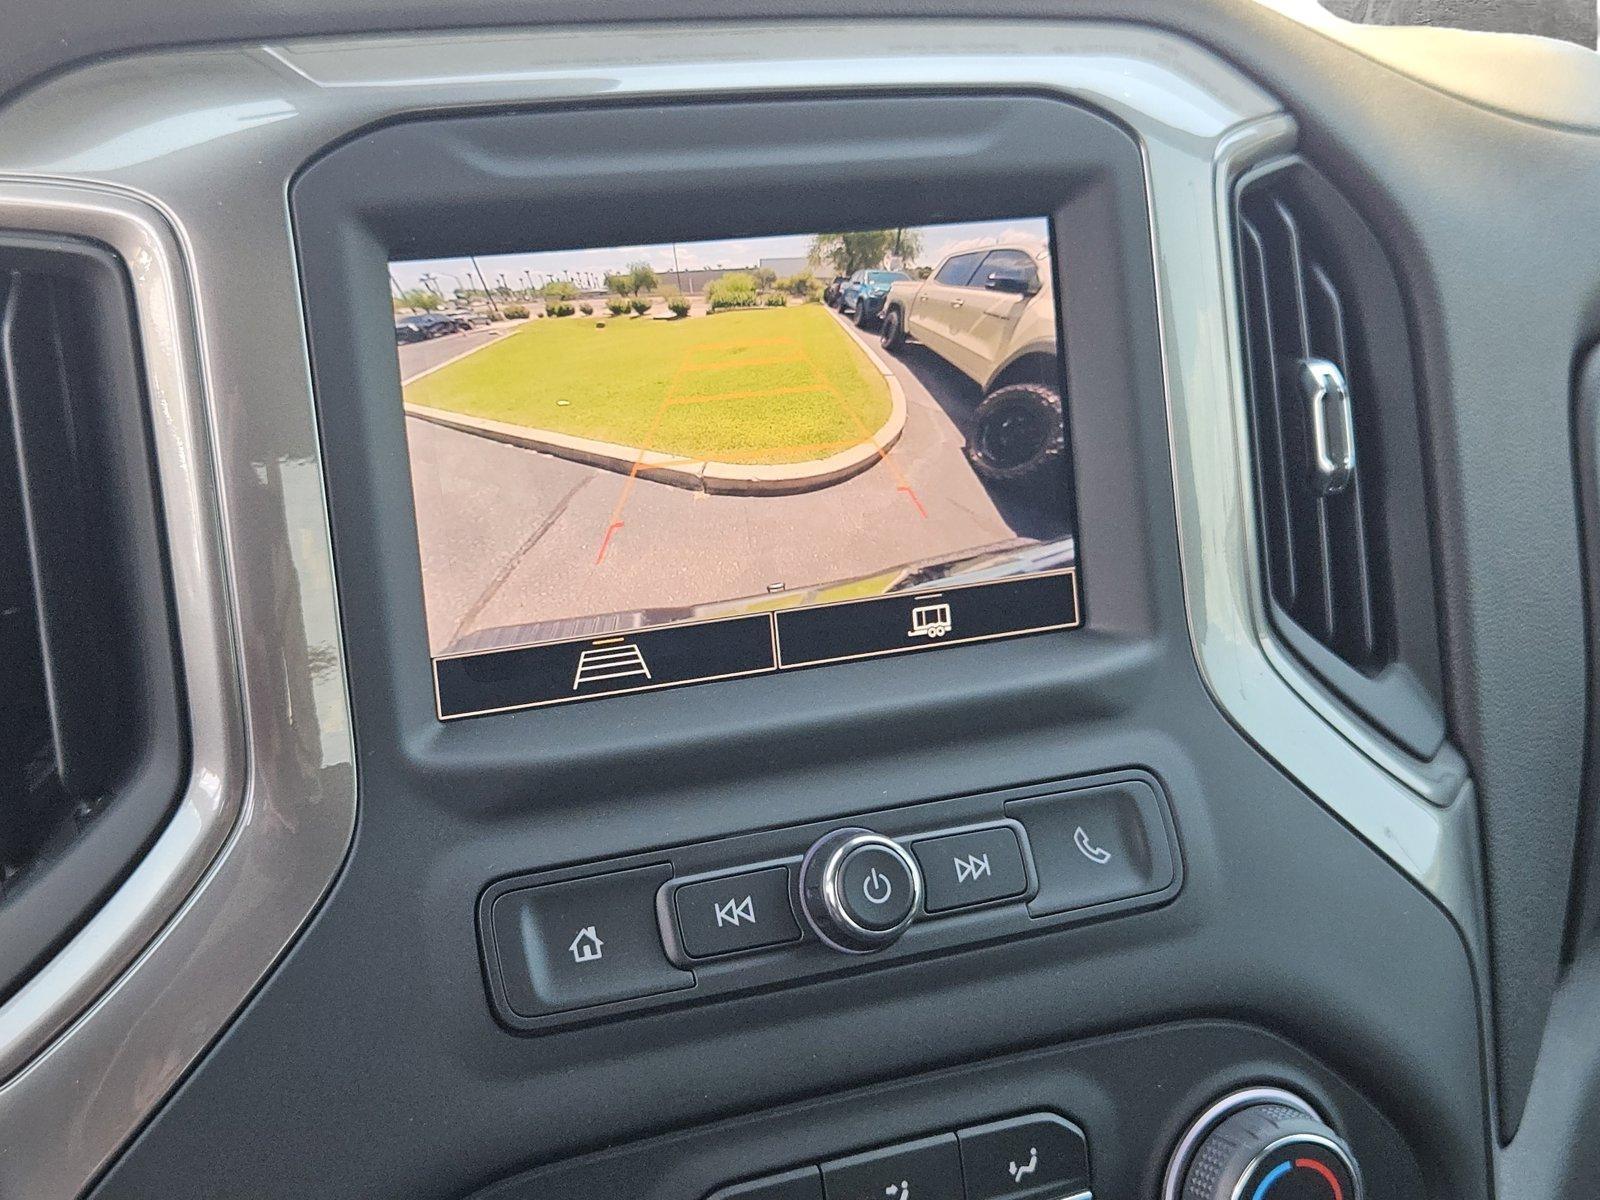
x: 649, y: 466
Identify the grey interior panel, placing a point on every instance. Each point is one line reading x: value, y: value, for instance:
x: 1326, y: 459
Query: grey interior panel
x: 296, y: 935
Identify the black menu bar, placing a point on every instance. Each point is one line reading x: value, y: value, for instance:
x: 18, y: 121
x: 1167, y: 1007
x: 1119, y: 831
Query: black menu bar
x: 729, y: 647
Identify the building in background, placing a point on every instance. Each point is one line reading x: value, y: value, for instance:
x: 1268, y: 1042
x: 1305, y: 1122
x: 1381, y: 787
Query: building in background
x: 785, y: 267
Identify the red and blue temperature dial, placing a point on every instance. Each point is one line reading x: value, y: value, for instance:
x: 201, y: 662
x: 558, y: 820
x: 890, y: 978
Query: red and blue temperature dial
x: 1302, y: 1178
x: 1265, y: 1151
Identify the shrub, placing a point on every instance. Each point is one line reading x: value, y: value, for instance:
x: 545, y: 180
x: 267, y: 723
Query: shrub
x: 516, y: 312
x: 737, y: 290
x: 641, y: 304
x: 562, y: 309
x: 796, y: 285
x: 586, y: 308
x: 617, y: 305
x: 776, y: 300
x: 679, y: 305
x: 559, y: 289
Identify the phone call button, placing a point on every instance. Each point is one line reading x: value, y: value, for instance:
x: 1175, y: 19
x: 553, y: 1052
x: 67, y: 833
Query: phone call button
x: 1095, y: 845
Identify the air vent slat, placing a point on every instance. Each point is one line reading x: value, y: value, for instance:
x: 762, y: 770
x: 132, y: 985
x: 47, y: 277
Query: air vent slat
x: 1284, y: 344
x: 1315, y: 534
x: 1270, y: 441
x: 1357, y: 633
x: 1341, y: 492
x: 1295, y: 338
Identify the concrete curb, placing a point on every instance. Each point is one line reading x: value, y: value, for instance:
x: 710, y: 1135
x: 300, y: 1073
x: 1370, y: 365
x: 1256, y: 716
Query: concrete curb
x: 717, y: 478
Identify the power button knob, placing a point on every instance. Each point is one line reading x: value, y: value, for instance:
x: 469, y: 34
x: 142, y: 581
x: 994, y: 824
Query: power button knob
x: 859, y: 890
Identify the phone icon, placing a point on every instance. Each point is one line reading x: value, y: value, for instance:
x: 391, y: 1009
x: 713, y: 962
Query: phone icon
x: 1088, y: 849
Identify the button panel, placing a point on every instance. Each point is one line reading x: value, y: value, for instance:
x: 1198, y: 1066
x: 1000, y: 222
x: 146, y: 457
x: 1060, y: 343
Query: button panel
x: 1041, y: 1156
x: 698, y: 921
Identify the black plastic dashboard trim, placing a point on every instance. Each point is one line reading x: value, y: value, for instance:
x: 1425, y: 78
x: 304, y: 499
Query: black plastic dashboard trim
x: 806, y: 962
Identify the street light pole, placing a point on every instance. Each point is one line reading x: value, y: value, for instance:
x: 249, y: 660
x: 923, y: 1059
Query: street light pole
x: 487, y: 293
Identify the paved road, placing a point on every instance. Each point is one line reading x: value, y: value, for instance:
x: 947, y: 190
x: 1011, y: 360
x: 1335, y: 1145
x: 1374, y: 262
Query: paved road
x: 511, y: 536
x: 417, y: 357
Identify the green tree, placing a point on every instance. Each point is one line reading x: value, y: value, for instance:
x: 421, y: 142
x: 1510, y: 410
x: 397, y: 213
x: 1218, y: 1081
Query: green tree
x: 421, y: 298
x: 559, y: 289
x: 864, y: 249
x: 621, y: 284
x: 766, y: 277
x: 644, y: 278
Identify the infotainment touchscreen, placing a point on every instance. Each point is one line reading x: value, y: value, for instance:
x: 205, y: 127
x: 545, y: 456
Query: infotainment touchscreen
x: 648, y: 466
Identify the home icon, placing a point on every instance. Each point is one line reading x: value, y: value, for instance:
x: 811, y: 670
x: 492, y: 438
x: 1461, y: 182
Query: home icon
x: 586, y: 947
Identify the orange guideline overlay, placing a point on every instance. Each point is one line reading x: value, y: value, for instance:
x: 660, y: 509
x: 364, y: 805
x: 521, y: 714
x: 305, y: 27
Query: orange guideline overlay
x: 785, y: 352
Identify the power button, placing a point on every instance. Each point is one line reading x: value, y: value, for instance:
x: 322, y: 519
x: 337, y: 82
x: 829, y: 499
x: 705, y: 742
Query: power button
x: 876, y: 886
x: 859, y: 890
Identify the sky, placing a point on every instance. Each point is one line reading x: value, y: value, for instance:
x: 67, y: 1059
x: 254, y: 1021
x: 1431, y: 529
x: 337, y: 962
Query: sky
x: 588, y: 266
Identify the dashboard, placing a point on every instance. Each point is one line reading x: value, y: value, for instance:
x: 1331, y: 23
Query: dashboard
x: 800, y: 607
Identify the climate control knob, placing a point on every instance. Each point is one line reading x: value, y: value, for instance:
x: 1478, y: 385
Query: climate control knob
x: 859, y: 890
x: 1271, y: 1149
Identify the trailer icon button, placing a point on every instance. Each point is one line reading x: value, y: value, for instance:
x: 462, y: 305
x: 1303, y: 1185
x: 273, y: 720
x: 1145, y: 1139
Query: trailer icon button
x: 930, y: 621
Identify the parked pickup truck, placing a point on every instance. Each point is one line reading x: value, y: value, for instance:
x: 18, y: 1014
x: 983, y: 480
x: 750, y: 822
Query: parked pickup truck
x: 991, y: 314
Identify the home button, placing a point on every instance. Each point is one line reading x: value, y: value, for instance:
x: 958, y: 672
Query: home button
x: 584, y: 942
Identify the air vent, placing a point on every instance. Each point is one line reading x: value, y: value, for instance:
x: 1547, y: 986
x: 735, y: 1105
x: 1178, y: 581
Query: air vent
x: 1343, y: 522
x: 91, y: 752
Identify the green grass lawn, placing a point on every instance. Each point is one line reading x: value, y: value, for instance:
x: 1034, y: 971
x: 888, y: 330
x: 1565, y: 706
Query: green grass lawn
x: 770, y: 385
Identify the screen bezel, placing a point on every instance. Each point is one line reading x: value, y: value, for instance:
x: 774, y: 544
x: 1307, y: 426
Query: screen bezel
x: 587, y: 177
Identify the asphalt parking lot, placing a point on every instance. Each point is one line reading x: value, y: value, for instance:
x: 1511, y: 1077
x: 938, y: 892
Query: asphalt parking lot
x: 511, y: 536
x: 418, y: 357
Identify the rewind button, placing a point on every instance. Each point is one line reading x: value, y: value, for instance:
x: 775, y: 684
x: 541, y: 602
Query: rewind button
x: 735, y: 912
x: 963, y: 869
